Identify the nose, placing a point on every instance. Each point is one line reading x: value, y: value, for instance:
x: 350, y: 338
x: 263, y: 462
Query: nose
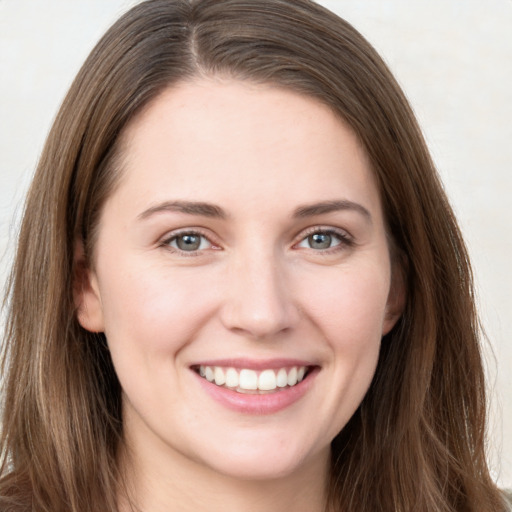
x: 259, y: 301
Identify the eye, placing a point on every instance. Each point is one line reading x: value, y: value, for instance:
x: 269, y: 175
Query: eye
x: 323, y: 239
x: 189, y: 242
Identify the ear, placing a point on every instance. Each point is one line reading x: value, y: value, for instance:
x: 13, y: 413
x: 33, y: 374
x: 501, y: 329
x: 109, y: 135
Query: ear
x: 396, y: 298
x: 86, y: 293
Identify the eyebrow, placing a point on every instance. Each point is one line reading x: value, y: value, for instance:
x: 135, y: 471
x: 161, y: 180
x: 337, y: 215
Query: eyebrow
x: 213, y: 211
x: 187, y: 207
x: 310, y: 210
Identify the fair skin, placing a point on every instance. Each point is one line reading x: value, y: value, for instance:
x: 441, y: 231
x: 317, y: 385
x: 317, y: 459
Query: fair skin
x: 245, y: 241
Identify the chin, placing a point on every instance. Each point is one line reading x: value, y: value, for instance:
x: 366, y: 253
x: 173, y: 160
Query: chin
x: 260, y: 463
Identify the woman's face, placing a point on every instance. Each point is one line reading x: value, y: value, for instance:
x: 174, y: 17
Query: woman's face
x: 242, y: 278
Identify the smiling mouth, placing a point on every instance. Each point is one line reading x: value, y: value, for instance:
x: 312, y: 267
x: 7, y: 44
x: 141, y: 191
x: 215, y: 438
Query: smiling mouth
x: 248, y: 381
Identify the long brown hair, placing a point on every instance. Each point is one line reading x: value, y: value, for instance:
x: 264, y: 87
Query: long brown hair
x: 417, y: 440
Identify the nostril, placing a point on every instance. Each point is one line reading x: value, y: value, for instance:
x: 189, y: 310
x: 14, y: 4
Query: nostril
x: 259, y: 321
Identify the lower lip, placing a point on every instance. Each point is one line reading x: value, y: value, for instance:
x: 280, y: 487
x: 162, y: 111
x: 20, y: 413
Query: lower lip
x: 268, y: 403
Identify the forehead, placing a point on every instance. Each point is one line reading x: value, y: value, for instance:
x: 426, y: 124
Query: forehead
x: 220, y: 140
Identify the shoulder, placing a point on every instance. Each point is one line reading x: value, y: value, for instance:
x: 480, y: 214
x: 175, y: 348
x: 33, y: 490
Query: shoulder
x: 507, y: 494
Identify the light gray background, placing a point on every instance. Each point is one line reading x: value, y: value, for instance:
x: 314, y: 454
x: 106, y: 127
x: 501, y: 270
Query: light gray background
x: 454, y: 60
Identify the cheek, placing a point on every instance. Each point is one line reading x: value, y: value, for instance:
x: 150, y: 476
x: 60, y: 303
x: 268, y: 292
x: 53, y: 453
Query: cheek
x: 151, y: 311
x: 150, y: 317
x: 349, y: 305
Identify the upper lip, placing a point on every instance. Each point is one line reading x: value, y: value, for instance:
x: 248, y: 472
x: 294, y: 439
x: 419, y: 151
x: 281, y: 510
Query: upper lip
x: 254, y: 364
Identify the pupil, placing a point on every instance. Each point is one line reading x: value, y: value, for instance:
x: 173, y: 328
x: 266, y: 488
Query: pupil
x: 320, y: 241
x: 188, y: 242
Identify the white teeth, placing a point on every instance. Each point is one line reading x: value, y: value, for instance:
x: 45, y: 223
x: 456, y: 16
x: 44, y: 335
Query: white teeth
x: 248, y: 379
x: 267, y: 380
x: 282, y: 378
x: 251, y: 380
x: 292, y: 377
x: 220, y: 378
x: 208, y: 373
x: 232, y: 380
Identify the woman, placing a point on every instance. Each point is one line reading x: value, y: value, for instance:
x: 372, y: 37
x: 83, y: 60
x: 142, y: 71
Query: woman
x: 239, y: 284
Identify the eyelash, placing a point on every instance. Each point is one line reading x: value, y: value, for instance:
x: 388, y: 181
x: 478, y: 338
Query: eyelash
x: 166, y: 243
x: 345, y: 240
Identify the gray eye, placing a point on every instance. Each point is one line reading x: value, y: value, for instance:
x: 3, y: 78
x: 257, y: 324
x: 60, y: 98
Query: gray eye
x: 188, y: 242
x: 320, y: 241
